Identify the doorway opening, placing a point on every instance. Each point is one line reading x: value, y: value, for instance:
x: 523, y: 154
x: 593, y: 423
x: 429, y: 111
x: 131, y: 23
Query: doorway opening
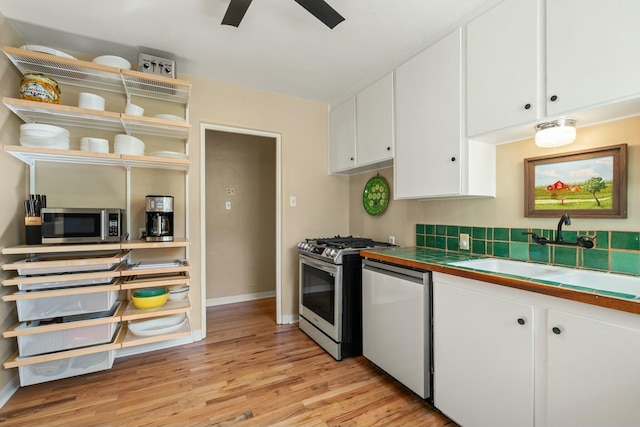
x: 240, y: 216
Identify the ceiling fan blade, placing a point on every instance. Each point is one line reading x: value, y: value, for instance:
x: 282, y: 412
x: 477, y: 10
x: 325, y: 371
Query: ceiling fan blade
x: 235, y: 12
x: 321, y: 10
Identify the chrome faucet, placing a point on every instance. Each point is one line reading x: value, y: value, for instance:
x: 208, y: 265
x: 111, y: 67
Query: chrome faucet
x: 563, y: 220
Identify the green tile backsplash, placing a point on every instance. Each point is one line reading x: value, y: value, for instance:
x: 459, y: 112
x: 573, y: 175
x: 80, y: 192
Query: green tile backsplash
x: 613, y: 251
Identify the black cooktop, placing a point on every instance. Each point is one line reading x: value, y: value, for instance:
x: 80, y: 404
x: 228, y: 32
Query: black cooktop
x: 349, y: 242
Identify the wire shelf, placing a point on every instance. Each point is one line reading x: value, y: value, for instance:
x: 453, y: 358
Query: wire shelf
x: 86, y: 74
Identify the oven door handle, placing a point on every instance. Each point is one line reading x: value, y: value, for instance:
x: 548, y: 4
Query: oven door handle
x: 329, y: 268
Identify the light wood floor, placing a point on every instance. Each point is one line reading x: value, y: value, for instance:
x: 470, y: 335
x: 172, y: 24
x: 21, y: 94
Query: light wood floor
x: 247, y: 372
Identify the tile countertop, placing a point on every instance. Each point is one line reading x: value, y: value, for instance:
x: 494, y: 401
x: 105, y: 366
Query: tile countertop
x: 435, y: 260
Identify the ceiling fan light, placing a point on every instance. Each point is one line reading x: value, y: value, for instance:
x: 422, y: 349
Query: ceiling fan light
x: 555, y: 133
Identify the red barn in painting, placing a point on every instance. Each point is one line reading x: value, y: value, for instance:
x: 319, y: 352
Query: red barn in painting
x: 558, y: 185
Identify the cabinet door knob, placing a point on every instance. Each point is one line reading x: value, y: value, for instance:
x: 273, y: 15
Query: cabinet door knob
x: 553, y: 98
x: 352, y: 159
x: 527, y: 106
x: 556, y: 330
x: 521, y: 321
x: 453, y: 159
x: 388, y: 148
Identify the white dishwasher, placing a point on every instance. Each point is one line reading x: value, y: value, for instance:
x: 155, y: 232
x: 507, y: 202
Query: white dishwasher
x: 396, y: 323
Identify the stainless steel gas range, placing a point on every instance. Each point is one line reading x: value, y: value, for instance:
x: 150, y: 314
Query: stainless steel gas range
x: 331, y: 292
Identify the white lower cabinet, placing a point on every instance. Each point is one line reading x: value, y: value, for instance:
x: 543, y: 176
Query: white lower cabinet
x: 593, y: 373
x: 507, y: 357
x: 483, y: 357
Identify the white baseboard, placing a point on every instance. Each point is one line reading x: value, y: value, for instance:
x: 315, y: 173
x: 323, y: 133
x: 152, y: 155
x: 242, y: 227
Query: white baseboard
x: 9, y: 390
x: 287, y: 319
x: 211, y: 302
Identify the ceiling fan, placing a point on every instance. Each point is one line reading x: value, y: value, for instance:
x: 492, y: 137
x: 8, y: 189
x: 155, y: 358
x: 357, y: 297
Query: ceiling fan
x: 318, y: 8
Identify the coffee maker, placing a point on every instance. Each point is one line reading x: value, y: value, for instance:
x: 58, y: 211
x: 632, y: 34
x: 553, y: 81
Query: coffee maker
x: 159, y: 218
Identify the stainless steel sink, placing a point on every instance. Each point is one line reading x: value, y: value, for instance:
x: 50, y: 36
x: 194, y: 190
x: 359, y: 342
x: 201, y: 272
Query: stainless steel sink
x: 595, y: 280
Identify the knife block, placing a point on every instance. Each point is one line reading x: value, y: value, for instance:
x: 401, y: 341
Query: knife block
x: 33, y: 230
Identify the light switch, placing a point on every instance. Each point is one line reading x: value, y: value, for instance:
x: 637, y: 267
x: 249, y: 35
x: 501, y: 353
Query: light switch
x: 227, y: 206
x: 292, y: 201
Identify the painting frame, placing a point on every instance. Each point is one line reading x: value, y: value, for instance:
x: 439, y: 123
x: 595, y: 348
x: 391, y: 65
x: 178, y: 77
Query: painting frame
x: 555, y: 195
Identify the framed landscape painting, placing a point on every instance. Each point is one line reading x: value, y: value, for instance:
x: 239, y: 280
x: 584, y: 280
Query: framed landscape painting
x: 588, y: 184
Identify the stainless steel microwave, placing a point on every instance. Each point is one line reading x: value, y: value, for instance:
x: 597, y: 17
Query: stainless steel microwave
x: 82, y: 225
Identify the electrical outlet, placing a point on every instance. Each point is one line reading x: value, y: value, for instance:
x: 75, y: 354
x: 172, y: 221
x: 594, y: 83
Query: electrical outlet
x: 231, y: 191
x: 463, y: 242
x: 227, y: 206
x: 392, y: 240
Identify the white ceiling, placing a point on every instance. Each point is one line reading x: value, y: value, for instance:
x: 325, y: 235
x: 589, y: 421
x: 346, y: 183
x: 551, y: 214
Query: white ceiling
x: 279, y: 46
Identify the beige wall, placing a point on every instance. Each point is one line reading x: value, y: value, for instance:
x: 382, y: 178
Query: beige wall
x: 241, y: 242
x: 14, y: 186
x: 507, y: 209
x: 322, y: 207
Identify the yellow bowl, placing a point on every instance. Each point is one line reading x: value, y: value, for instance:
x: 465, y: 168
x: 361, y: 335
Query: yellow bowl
x: 150, y: 302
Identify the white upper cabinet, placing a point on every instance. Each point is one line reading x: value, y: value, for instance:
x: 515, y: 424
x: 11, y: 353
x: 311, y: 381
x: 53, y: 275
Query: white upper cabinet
x: 593, y: 53
x: 428, y: 121
x: 342, y: 136
x: 361, y: 130
x: 432, y: 159
x: 502, y: 73
x: 374, y: 122
x: 589, y: 66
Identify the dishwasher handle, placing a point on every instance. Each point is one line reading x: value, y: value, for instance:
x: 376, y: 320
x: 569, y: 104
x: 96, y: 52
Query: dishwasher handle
x: 415, y: 276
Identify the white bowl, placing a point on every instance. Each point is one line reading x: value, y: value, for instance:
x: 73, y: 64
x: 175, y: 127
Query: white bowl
x: 112, y: 61
x: 127, y: 140
x: 97, y: 145
x: 157, y: 325
x: 127, y: 144
x: 90, y: 101
x: 178, y: 293
x: 133, y: 109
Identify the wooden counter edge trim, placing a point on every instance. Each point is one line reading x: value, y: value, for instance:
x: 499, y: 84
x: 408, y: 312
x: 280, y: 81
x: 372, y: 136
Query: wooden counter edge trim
x: 629, y: 306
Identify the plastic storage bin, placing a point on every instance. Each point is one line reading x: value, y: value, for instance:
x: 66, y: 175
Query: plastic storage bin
x: 64, y: 368
x: 67, y: 305
x: 67, y: 339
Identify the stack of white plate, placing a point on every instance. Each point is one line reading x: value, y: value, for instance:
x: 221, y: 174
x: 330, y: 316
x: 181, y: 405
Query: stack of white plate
x: 44, y: 136
x: 96, y: 145
x: 127, y: 144
x: 90, y: 101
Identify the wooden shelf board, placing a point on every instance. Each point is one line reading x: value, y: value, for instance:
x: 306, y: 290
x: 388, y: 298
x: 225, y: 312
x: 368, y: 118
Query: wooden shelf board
x: 15, y: 360
x: 23, y: 295
x: 171, y: 307
x: 15, y: 329
x: 131, y: 340
x: 30, y: 155
x: 143, y: 244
